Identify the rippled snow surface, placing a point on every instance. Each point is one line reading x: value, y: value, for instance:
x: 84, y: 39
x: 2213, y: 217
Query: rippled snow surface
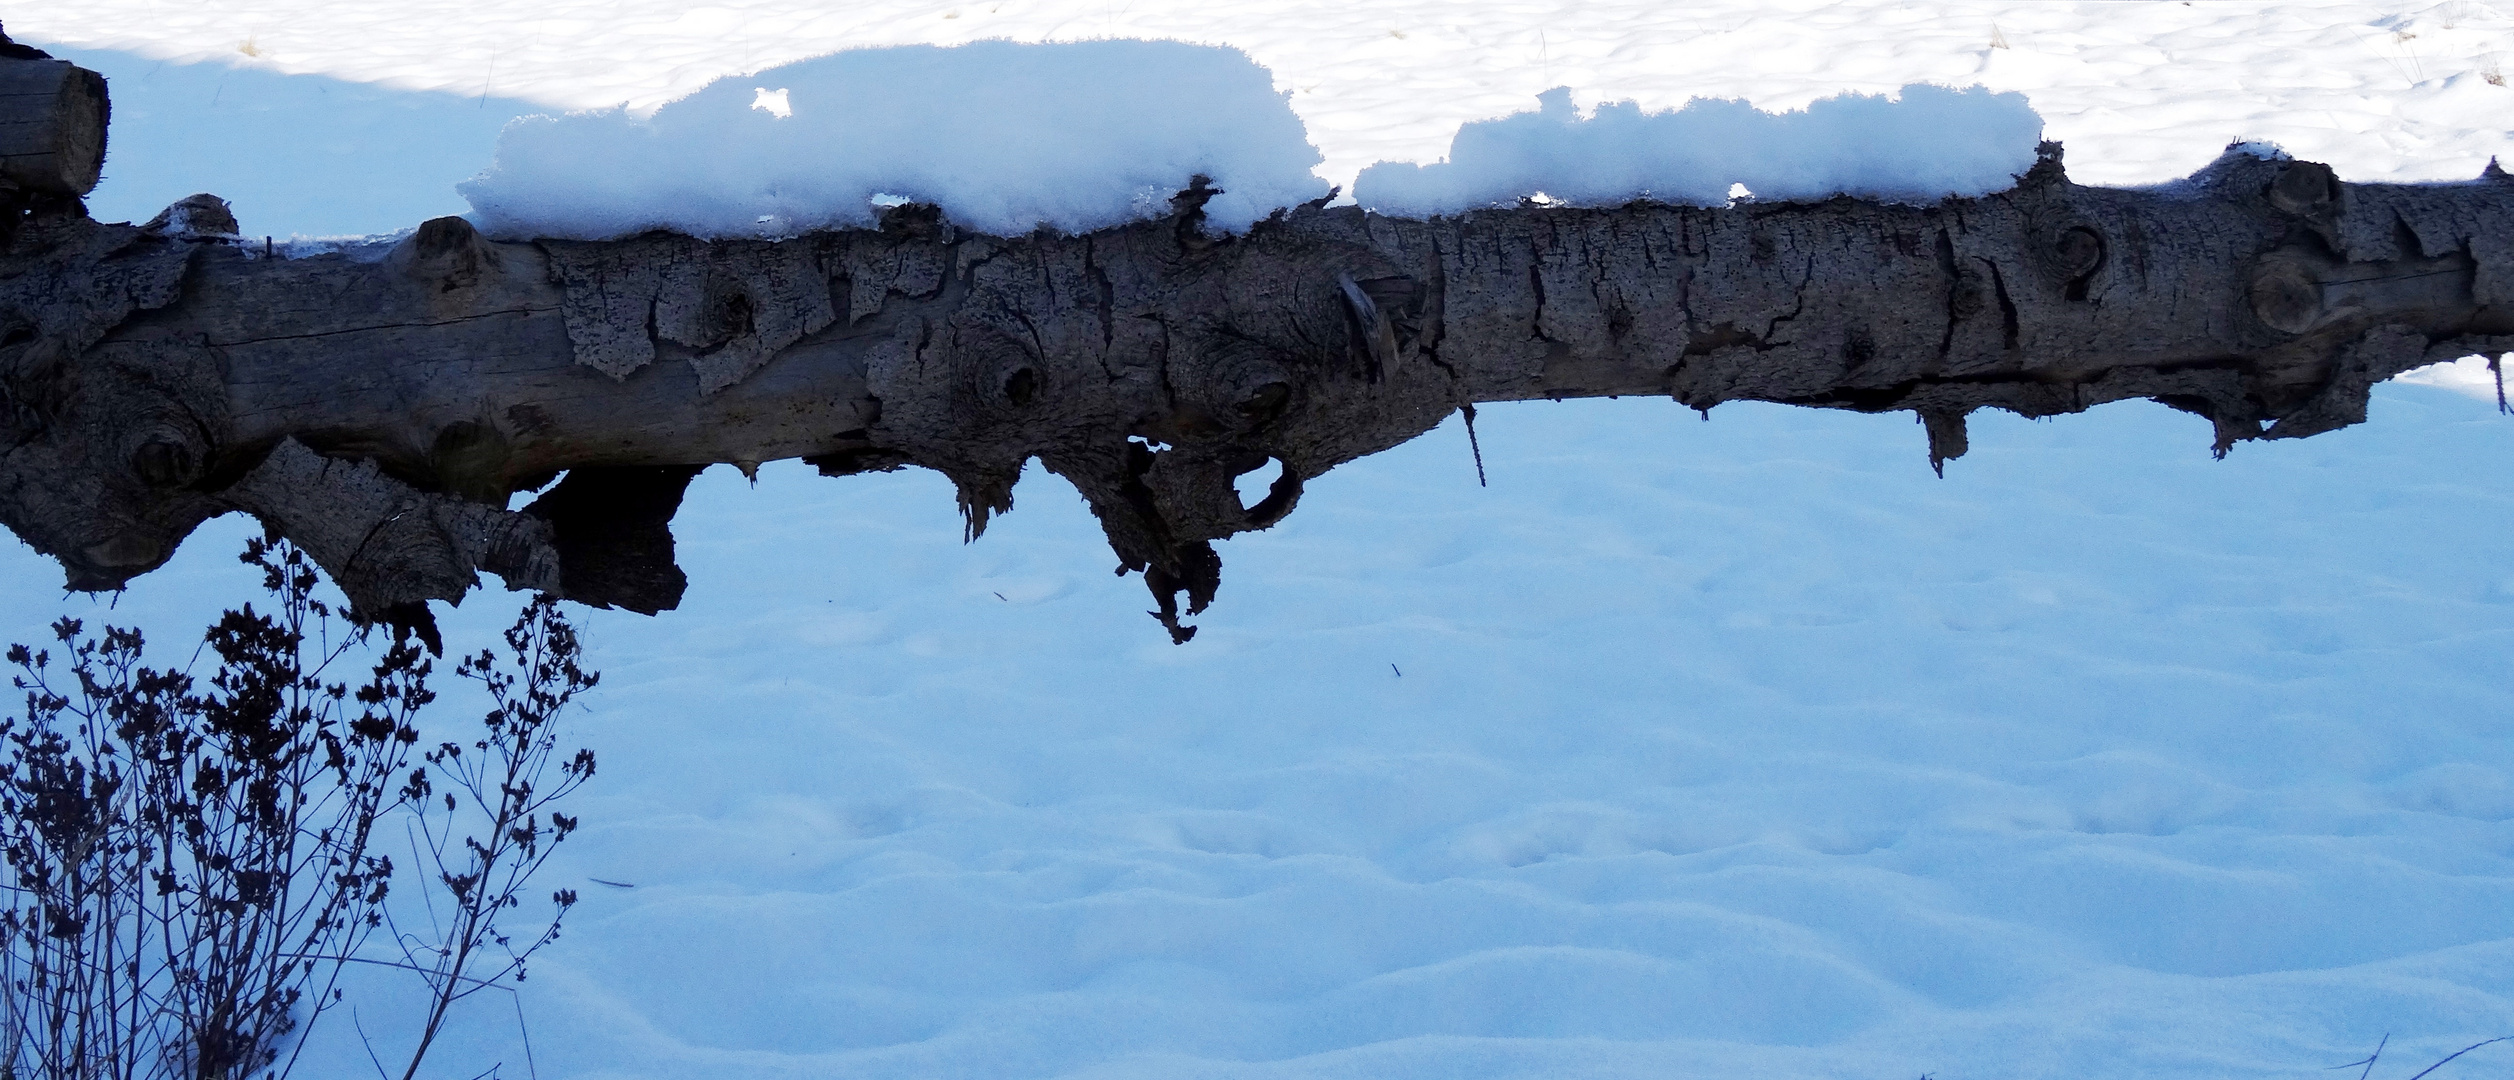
x: 1740, y: 748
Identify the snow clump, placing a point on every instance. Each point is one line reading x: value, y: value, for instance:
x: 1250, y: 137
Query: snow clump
x: 1005, y: 137
x: 1929, y: 143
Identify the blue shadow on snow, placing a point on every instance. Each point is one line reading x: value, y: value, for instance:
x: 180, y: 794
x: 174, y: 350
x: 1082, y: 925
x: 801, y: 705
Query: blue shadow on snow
x: 295, y: 154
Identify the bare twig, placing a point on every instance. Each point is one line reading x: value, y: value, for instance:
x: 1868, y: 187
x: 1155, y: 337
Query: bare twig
x: 188, y: 853
x: 500, y: 785
x: 2457, y: 1053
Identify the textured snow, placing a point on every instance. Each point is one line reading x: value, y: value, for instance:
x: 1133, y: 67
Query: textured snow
x: 2139, y: 92
x: 1076, y: 136
x: 1741, y: 748
x: 1926, y: 143
x: 2471, y: 375
x: 1005, y: 137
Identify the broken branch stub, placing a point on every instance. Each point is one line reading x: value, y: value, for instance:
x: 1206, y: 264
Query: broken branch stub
x: 385, y: 411
x: 53, y: 117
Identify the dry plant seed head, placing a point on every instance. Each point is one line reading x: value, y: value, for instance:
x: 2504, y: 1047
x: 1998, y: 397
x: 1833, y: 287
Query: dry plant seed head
x: 493, y: 801
x: 214, y: 839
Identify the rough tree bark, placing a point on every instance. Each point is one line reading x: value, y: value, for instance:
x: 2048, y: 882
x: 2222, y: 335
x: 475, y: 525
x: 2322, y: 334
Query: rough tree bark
x: 384, y: 407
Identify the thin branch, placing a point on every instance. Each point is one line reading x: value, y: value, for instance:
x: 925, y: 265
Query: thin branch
x: 2422, y: 1073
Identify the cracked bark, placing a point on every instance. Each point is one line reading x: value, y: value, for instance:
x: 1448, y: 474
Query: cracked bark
x: 387, y: 412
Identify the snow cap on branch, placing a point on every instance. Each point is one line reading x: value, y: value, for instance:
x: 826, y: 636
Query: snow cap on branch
x: 1005, y: 137
x: 1923, y: 145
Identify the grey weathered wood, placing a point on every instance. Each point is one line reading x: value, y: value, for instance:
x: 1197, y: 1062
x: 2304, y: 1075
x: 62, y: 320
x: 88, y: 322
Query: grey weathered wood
x: 53, y: 117
x: 387, y: 409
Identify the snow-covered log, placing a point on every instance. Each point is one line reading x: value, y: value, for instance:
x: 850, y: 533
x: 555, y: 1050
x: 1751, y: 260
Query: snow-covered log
x: 384, y: 407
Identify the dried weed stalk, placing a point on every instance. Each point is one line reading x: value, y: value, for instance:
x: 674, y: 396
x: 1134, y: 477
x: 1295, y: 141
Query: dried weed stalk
x: 190, y: 865
x: 494, y: 782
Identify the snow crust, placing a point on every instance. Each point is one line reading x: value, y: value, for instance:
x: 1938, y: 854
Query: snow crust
x: 1006, y: 137
x: 1924, y: 144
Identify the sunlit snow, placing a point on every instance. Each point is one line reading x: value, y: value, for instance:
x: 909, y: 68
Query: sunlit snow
x: 1005, y: 137
x: 1924, y: 144
x: 1744, y: 748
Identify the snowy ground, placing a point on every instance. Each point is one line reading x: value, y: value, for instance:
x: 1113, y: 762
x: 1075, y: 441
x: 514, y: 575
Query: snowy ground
x: 1744, y: 748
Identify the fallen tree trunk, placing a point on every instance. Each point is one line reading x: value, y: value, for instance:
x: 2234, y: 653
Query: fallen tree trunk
x: 383, y: 406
